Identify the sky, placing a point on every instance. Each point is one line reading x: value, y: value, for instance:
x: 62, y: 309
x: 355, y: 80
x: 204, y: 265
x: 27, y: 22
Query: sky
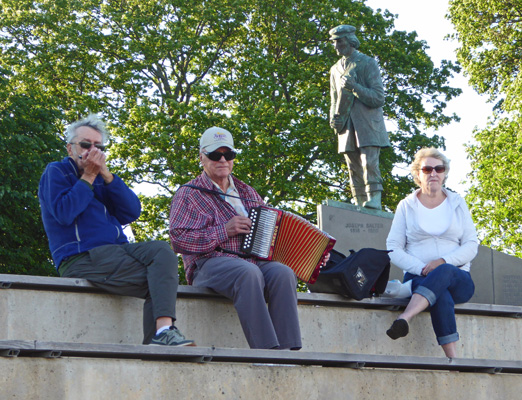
x: 427, y: 19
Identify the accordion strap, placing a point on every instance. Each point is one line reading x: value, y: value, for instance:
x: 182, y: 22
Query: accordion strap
x: 215, y: 192
x: 242, y: 255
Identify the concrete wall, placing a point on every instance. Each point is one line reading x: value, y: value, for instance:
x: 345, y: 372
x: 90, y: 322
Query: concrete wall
x: 100, y: 318
x: 93, y: 379
x: 497, y: 276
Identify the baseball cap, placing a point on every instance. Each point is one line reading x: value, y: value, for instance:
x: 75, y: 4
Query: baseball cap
x: 214, y: 138
x: 340, y: 31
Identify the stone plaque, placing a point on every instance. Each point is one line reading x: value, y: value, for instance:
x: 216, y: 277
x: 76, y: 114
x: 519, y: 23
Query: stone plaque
x: 482, y: 275
x: 355, y: 228
x: 507, y: 279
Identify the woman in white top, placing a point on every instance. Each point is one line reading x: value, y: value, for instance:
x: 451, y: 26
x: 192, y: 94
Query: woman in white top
x: 433, y: 240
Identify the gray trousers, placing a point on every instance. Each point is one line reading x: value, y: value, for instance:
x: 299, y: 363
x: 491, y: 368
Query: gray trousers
x: 147, y: 270
x: 250, y: 287
x: 363, y: 165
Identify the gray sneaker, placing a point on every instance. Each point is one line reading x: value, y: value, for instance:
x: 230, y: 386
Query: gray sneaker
x: 171, y: 337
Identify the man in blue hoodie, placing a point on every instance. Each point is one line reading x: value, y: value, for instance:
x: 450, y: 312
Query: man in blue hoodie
x: 83, y: 209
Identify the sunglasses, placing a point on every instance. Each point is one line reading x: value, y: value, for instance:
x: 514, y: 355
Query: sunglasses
x: 427, y: 169
x: 216, y: 155
x: 88, y: 145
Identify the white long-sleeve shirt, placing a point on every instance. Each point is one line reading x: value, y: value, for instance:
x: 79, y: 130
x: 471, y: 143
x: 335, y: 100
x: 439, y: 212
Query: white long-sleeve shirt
x: 412, y: 247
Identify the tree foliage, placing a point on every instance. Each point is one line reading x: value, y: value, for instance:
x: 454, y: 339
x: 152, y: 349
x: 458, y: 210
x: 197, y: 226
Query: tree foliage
x: 490, y: 36
x: 162, y: 71
x: 27, y: 144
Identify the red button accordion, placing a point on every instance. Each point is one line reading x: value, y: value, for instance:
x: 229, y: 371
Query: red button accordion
x: 289, y: 239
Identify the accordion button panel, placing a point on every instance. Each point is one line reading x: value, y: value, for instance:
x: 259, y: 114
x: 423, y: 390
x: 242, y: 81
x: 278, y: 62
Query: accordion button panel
x: 259, y: 240
x: 263, y: 239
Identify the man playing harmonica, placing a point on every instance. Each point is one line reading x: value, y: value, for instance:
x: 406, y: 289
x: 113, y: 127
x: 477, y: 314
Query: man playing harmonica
x: 83, y: 209
x: 208, y: 218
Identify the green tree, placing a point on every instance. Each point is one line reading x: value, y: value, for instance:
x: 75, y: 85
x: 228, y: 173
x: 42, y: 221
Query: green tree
x: 490, y: 37
x: 162, y: 71
x: 27, y: 144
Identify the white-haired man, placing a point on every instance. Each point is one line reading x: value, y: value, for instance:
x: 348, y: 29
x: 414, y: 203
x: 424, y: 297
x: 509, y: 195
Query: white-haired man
x: 83, y: 209
x: 208, y: 219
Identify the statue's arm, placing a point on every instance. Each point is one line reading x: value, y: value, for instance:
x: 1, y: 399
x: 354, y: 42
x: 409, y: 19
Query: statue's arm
x: 333, y: 96
x: 370, y: 89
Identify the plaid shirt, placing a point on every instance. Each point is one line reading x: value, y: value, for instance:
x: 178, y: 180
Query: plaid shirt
x: 197, y: 222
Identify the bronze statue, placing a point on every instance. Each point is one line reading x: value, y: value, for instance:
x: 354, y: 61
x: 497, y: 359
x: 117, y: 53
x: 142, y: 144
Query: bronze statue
x: 357, y: 97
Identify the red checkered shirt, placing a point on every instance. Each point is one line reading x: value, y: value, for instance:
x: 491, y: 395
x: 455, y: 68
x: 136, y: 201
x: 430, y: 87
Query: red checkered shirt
x: 197, y: 222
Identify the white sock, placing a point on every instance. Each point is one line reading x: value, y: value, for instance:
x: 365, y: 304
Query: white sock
x: 163, y: 328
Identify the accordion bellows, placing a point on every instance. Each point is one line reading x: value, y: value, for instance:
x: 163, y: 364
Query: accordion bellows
x: 289, y: 239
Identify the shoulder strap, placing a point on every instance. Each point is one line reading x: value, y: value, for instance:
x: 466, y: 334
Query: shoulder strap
x: 215, y: 192
x: 241, y: 255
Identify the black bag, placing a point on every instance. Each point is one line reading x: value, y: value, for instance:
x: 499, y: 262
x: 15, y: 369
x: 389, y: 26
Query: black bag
x: 362, y: 274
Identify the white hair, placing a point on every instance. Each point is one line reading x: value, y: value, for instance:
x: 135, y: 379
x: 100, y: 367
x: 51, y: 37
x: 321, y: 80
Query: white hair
x: 91, y: 121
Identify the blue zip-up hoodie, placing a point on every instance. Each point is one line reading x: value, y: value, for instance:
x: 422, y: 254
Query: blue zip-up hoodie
x: 77, y: 218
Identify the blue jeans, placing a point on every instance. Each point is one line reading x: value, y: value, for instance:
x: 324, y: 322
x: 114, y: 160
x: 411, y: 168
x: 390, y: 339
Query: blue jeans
x: 443, y: 287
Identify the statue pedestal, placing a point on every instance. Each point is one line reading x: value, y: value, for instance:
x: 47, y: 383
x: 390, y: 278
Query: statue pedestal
x: 497, y: 276
x: 356, y: 227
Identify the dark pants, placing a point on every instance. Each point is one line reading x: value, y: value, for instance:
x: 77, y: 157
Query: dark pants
x: 147, y: 270
x: 250, y: 287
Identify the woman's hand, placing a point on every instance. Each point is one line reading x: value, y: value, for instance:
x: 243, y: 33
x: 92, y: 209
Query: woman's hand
x: 432, y: 265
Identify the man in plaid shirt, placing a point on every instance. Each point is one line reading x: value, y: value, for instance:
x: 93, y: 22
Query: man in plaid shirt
x: 213, y: 217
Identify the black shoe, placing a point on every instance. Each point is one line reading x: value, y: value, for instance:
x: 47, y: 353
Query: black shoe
x: 398, y: 329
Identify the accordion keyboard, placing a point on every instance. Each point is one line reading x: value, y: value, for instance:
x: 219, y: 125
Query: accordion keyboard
x: 259, y: 241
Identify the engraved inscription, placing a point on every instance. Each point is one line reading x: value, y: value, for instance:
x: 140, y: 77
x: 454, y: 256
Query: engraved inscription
x: 511, y: 285
x: 354, y: 227
x: 374, y: 228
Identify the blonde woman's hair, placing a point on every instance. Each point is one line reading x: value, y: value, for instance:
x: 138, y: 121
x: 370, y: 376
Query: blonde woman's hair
x: 425, y: 153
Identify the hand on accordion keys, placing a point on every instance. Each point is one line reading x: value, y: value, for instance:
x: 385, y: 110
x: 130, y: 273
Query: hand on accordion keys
x: 326, y: 258
x: 238, y: 225
x: 281, y: 236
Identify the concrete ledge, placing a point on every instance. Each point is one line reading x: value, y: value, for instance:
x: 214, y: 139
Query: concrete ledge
x: 20, y: 348
x: 329, y: 323
x: 77, y: 378
x: 8, y: 281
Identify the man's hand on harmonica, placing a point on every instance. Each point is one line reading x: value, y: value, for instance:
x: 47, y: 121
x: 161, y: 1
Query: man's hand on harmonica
x: 238, y: 225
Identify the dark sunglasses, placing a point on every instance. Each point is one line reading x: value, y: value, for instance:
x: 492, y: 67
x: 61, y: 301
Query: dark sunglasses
x: 88, y: 145
x: 427, y: 169
x: 216, y: 155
